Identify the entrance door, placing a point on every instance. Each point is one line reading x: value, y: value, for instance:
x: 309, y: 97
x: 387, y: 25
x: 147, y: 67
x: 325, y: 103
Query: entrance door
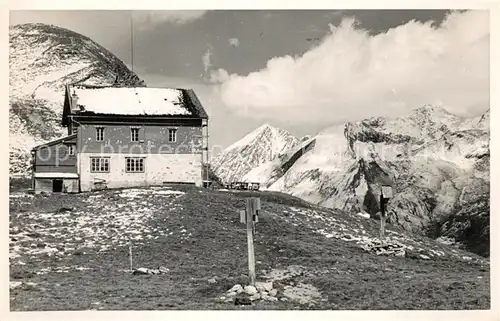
x: 57, y: 185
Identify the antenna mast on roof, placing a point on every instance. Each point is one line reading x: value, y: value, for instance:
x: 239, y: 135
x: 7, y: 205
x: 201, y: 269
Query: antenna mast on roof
x: 132, y: 41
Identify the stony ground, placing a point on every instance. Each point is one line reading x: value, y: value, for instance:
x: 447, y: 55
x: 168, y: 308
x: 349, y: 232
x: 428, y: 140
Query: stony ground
x: 71, y: 252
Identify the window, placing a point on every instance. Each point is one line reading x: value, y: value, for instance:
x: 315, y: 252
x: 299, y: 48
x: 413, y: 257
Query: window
x: 99, y: 134
x: 99, y: 164
x: 172, y: 135
x: 134, y: 134
x: 134, y: 165
x: 71, y: 149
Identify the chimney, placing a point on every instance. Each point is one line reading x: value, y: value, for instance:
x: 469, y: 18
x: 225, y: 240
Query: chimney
x: 74, y: 101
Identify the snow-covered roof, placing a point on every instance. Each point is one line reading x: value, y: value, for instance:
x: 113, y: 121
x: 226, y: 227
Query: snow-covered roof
x: 56, y: 175
x: 132, y: 101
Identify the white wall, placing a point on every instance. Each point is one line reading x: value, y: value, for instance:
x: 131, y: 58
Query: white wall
x: 159, y: 168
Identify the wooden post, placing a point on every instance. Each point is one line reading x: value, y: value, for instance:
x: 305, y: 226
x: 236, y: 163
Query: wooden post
x: 251, y: 208
x: 256, y: 213
x: 130, y: 254
x: 385, y: 194
x: 382, y: 217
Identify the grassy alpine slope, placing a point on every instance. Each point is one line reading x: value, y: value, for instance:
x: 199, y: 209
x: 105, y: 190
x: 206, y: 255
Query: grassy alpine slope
x: 70, y: 252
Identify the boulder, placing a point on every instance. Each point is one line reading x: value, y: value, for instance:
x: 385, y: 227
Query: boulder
x: 242, y: 301
x: 250, y: 290
x: 401, y: 254
x: 264, y: 286
x: 273, y: 292
x: 260, y: 286
x: 255, y: 297
x: 236, y: 288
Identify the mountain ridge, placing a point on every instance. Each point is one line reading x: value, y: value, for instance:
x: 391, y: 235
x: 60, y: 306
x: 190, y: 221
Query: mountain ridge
x: 42, y: 59
x: 430, y: 157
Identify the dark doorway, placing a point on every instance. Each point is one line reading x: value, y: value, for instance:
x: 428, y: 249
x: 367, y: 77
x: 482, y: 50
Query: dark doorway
x: 57, y: 185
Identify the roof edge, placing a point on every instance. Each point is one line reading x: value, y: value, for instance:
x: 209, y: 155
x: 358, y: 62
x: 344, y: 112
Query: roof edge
x: 195, y: 102
x: 54, y: 142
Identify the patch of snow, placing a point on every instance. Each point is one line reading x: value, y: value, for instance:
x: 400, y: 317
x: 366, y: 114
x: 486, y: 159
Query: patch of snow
x: 20, y: 195
x: 135, y: 192
x: 61, y: 234
x: 169, y: 192
x: 364, y: 215
x: 14, y: 284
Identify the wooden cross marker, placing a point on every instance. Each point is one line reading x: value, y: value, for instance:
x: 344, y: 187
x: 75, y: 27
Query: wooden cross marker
x: 249, y: 217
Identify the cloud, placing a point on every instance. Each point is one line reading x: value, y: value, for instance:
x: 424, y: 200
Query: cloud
x: 352, y: 74
x: 234, y: 42
x: 219, y: 76
x: 179, y: 17
x: 207, y: 59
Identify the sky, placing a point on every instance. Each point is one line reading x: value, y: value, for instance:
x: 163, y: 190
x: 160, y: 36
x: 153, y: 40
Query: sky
x: 298, y: 70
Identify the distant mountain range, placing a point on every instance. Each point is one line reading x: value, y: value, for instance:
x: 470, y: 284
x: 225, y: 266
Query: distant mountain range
x: 437, y: 164
x: 42, y: 59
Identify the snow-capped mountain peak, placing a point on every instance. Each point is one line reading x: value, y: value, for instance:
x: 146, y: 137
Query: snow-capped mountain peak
x: 257, y: 147
x: 265, y: 133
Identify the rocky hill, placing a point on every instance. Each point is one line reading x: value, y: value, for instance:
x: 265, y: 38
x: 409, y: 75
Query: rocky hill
x: 436, y: 162
x: 42, y: 59
x: 189, y: 252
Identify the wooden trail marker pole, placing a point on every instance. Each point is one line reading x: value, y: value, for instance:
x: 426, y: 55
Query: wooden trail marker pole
x: 130, y: 255
x: 382, y: 218
x: 253, y: 204
x: 385, y: 196
x: 255, y: 215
